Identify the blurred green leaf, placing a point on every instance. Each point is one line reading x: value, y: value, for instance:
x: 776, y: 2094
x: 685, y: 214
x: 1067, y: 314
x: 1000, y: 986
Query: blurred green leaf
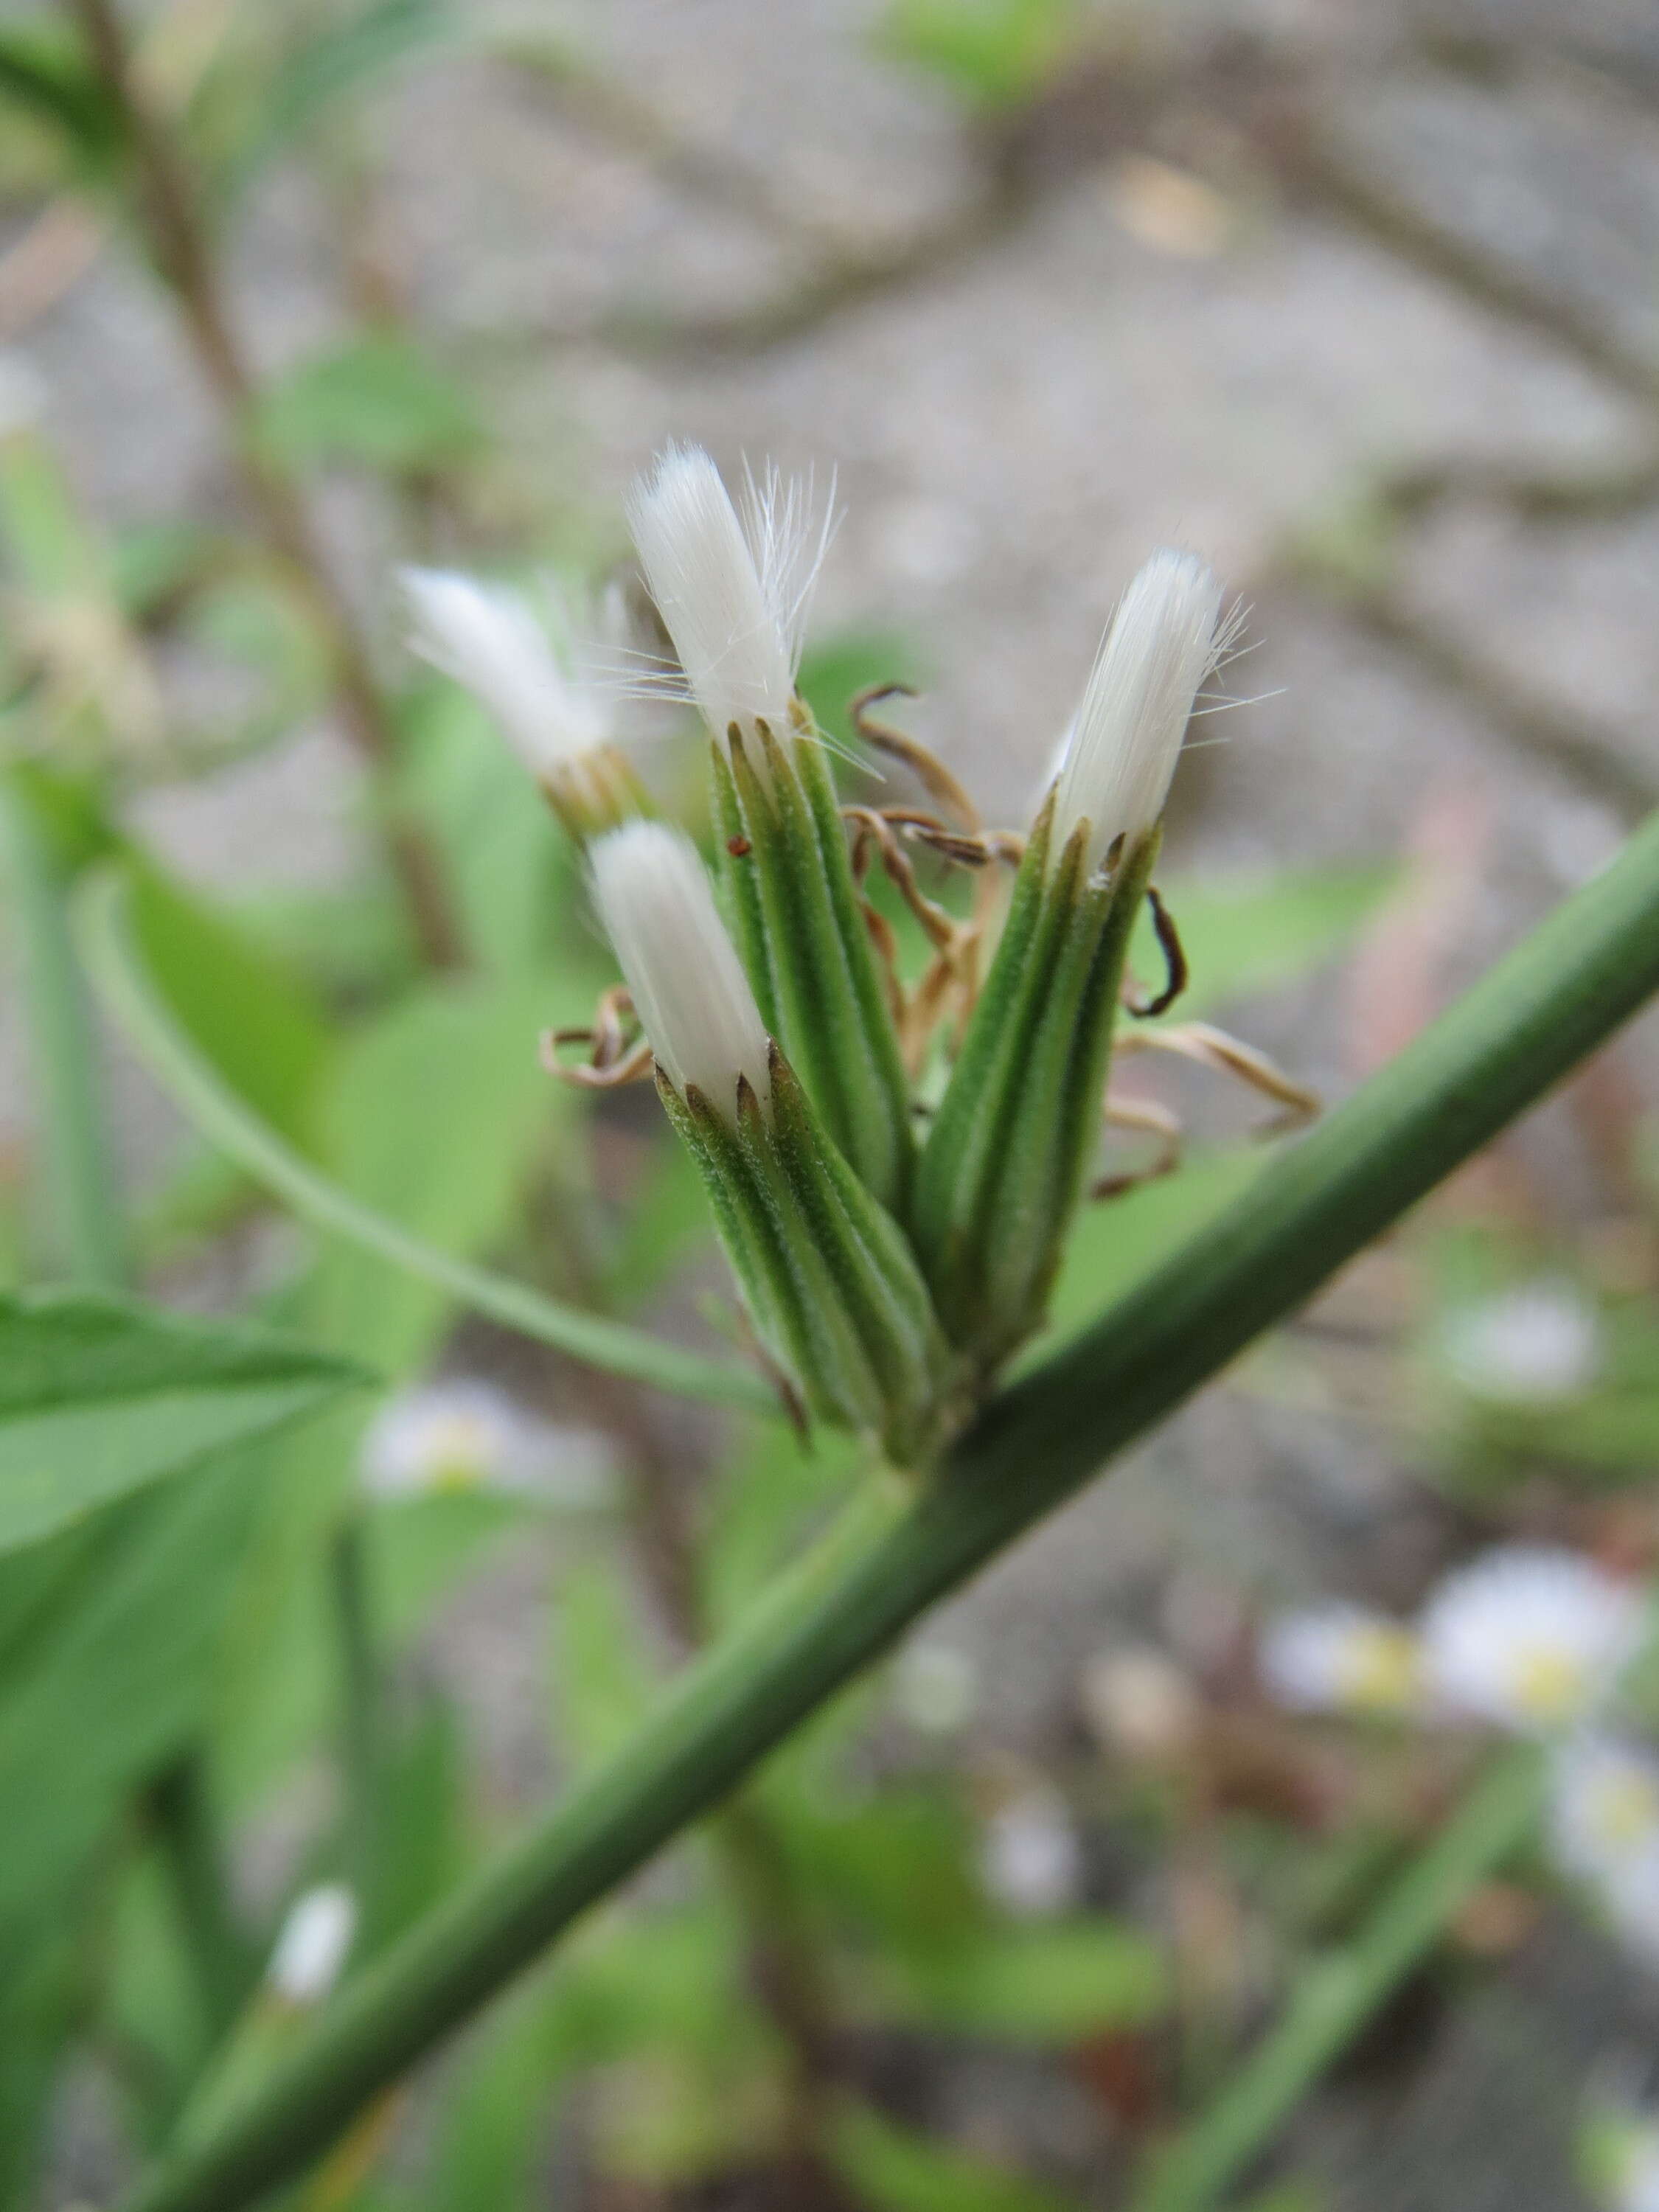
x: 379, y: 400
x: 496, y: 2108
x: 1056, y: 1982
x: 991, y: 54
x: 323, y: 64
x: 99, y: 1396
x: 113, y: 1633
x: 893, y: 2169
x: 1116, y: 1242
x: 1242, y: 936
x: 835, y: 671
x: 213, y: 974
x: 44, y: 71
x: 605, y: 1687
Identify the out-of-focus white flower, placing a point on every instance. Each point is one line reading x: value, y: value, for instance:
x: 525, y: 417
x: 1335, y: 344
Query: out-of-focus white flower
x: 1528, y: 1637
x: 1161, y: 644
x: 1138, y: 1702
x: 550, y: 684
x: 1340, y: 1659
x: 1604, y: 1808
x: 311, y: 1946
x: 687, y: 983
x: 935, y: 1687
x: 1531, y: 1346
x: 468, y: 1435
x: 1604, y: 1832
x: 1030, y: 1859
x: 733, y: 586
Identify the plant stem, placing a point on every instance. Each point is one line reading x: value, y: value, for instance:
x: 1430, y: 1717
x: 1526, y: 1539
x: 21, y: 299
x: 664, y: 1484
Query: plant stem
x: 187, y: 1835
x: 80, y: 1186
x: 361, y: 1717
x: 1337, y: 1994
x: 117, y: 969
x: 178, y: 235
x: 1561, y: 992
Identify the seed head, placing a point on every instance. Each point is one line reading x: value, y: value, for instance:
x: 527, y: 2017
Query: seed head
x: 731, y: 585
x: 688, y: 986
x: 1160, y: 646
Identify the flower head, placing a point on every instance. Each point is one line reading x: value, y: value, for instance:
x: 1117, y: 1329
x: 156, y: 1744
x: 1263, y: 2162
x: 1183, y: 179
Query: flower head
x: 1030, y: 1859
x: 546, y: 687
x: 312, y: 1945
x: 1530, y: 1638
x: 470, y: 1436
x: 732, y: 585
x: 1160, y: 646
x: 1531, y: 1345
x: 1339, y: 1659
x: 689, y: 989
x: 1604, y: 1809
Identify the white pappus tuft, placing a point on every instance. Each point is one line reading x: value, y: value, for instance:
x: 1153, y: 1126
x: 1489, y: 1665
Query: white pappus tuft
x: 1530, y: 1637
x: 1161, y: 644
x: 545, y: 684
x: 312, y: 1945
x: 689, y: 989
x: 1339, y: 1659
x: 732, y: 585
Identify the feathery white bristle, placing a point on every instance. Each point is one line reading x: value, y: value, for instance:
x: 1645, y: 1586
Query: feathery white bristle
x: 551, y: 707
x: 1159, y: 648
x: 312, y: 1943
x: 688, y: 986
x: 1529, y: 1636
x: 732, y: 587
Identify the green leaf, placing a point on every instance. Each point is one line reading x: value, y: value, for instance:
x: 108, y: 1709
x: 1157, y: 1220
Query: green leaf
x: 212, y: 975
x: 379, y: 401
x: 992, y: 54
x: 895, y: 2170
x: 44, y: 70
x: 1255, y: 936
x: 326, y: 65
x: 604, y: 1687
x: 99, y: 1396
x: 1055, y: 1983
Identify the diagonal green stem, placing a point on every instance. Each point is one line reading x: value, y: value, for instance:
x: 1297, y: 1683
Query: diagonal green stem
x: 197, y: 1086
x: 1559, y: 994
x: 1337, y: 1994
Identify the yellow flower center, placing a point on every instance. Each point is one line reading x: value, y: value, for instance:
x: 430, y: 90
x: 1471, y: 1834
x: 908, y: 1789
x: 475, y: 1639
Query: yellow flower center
x: 1549, y: 1683
x: 1623, y: 1812
x: 459, y: 1453
x: 1380, y: 1670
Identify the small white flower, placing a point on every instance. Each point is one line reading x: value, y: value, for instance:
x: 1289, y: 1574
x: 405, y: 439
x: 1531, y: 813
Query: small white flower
x: 1604, y: 1808
x: 1030, y: 1860
x: 1339, y: 1659
x: 1530, y: 1637
x: 689, y: 989
x: 468, y: 1435
x: 936, y: 1687
x: 311, y: 1946
x: 1160, y: 646
x: 1532, y: 1345
x: 732, y: 587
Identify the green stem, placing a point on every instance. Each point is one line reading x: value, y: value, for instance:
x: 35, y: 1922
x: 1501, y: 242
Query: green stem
x: 1592, y: 963
x: 132, y: 997
x: 360, y: 1717
x: 79, y: 1184
x: 1337, y: 1994
x: 186, y: 1834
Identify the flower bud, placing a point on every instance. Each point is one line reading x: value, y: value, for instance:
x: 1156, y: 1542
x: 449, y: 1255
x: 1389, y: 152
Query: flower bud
x: 552, y: 702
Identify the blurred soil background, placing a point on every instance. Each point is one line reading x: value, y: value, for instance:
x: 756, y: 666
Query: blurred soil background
x: 1359, y: 298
